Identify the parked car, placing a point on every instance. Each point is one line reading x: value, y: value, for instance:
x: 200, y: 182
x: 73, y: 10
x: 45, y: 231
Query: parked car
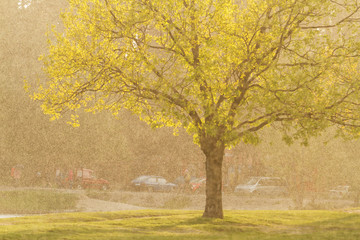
x: 85, y: 178
x: 263, y: 186
x: 341, y: 191
x: 198, y: 185
x: 152, y: 184
x: 135, y: 184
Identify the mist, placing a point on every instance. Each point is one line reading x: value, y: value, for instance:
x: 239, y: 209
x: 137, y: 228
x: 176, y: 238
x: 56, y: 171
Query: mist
x: 94, y: 166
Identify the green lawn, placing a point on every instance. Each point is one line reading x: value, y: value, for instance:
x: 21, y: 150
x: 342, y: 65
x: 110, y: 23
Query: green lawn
x: 176, y: 224
x: 36, y: 201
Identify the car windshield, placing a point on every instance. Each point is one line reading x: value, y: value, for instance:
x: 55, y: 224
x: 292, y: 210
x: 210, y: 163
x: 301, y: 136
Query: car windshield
x: 151, y: 180
x: 253, y: 181
x: 141, y: 178
x: 162, y: 181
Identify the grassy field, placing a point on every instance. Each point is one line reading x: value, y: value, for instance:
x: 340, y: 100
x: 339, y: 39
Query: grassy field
x: 176, y: 224
x: 36, y: 201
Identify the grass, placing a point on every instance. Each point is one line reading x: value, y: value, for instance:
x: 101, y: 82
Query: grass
x: 177, y: 202
x: 144, y: 199
x: 36, y: 201
x: 177, y: 224
x: 106, y: 196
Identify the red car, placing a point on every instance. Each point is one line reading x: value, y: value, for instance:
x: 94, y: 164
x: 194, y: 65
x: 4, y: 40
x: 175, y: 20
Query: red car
x: 85, y: 178
x: 198, y: 185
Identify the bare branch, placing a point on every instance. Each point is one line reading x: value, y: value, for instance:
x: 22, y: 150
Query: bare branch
x: 345, y: 19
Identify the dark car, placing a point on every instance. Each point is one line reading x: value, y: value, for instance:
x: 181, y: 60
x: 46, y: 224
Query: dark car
x: 263, y: 186
x: 152, y: 184
x: 135, y: 184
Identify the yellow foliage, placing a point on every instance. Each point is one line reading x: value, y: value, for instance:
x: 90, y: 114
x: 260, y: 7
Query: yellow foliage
x: 219, y: 68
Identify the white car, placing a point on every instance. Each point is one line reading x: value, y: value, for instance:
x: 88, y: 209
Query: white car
x: 263, y: 186
x: 340, y: 191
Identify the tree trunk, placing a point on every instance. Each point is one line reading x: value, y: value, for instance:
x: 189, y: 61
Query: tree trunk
x: 357, y: 199
x: 214, y: 153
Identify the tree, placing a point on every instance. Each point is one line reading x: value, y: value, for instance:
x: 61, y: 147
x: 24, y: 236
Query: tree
x: 21, y: 40
x: 308, y: 170
x: 222, y: 69
x: 29, y: 139
x: 348, y: 167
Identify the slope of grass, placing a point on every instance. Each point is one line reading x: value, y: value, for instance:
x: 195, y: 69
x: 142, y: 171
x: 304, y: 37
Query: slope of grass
x: 36, y: 201
x: 145, y: 199
x: 176, y: 224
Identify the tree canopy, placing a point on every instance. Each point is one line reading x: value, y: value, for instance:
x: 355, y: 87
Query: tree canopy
x: 222, y: 69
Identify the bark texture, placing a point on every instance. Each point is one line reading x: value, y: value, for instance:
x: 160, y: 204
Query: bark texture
x: 214, y: 153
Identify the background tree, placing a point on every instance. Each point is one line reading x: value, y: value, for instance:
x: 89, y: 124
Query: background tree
x: 28, y: 138
x: 21, y: 40
x: 310, y: 171
x: 346, y: 167
x: 221, y: 69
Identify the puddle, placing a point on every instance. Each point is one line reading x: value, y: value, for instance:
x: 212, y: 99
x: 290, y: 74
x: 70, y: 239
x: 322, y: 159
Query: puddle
x: 9, y: 215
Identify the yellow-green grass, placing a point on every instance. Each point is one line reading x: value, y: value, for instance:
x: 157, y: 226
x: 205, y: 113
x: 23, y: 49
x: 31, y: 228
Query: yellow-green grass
x: 176, y: 224
x: 36, y: 201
